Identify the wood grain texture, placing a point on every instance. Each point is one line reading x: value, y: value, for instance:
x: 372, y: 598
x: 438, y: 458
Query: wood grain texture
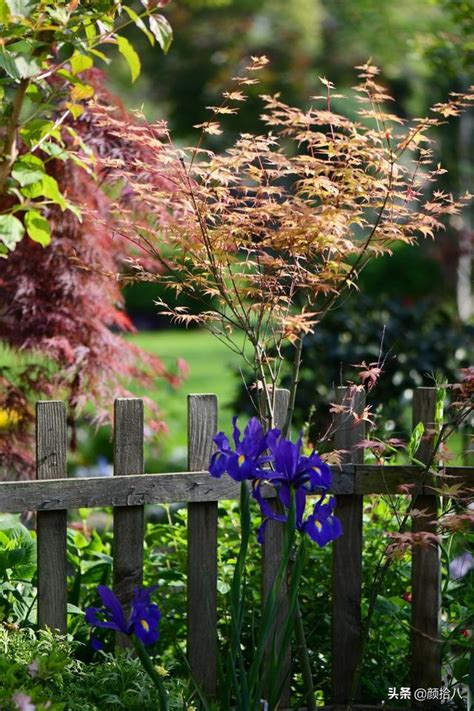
x: 272, y: 554
x: 195, y: 487
x: 202, y: 549
x: 129, y: 519
x: 51, y: 463
x: 426, y: 566
x: 347, y: 557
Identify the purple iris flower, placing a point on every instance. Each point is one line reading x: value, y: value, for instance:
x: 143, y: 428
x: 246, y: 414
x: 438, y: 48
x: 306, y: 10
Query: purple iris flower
x: 143, y: 621
x: 301, y: 475
x: 322, y: 526
x: 247, y: 458
x: 295, y: 471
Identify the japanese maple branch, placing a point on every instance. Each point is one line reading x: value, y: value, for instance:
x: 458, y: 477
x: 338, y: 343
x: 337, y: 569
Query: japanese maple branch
x: 295, y: 379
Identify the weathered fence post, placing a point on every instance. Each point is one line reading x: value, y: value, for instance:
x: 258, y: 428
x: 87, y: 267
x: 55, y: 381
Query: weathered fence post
x: 426, y: 566
x: 128, y: 520
x: 347, y: 555
x: 202, y: 550
x: 51, y: 456
x: 271, y: 556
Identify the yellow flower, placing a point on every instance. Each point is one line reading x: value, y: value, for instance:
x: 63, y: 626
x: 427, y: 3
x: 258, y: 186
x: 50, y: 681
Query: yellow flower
x: 161, y: 671
x: 8, y: 418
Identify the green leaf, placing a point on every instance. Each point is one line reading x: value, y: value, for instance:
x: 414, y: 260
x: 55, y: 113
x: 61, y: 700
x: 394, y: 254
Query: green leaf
x: 36, y: 129
x: 7, y: 63
x: 51, y: 191
x: 162, y: 30
x: 4, y: 12
x: 54, y: 150
x: 21, y: 8
x: 130, y: 55
x: 28, y: 169
x: 439, y: 408
x: 415, y: 439
x: 38, y: 227
x: 11, y: 231
x: 81, y: 91
x: 25, y: 67
x: 80, y: 62
x: 8, y: 521
x: 223, y: 587
x: 59, y: 14
x: 75, y: 109
x: 48, y: 189
x: 139, y: 23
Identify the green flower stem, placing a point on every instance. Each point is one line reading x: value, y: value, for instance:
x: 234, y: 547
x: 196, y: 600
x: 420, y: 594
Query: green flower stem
x: 303, y: 656
x: 152, y: 673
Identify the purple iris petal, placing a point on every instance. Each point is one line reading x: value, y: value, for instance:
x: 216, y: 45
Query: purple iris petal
x: 92, y: 618
x: 322, y: 526
x: 218, y: 465
x: 300, y: 503
x: 247, y: 459
x: 113, y: 607
x: 266, y: 507
x: 144, y: 616
x: 291, y: 473
x: 301, y: 475
x: 222, y: 443
x: 296, y: 469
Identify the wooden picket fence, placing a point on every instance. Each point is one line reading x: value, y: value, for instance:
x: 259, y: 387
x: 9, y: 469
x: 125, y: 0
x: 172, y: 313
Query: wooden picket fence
x: 52, y: 494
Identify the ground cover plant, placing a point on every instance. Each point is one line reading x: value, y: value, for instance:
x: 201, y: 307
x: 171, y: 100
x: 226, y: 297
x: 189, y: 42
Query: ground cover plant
x: 69, y: 677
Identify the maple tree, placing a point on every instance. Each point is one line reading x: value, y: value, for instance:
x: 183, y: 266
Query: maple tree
x: 278, y: 226
x: 61, y: 307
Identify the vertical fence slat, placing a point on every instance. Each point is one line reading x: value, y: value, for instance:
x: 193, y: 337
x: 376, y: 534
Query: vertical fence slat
x: 128, y: 520
x: 347, y: 557
x: 271, y: 555
x: 51, y: 456
x: 202, y: 550
x: 426, y: 566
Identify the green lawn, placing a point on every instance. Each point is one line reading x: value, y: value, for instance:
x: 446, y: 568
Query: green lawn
x: 213, y: 368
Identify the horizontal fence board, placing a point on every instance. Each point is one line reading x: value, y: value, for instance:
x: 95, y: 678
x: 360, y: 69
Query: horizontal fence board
x: 135, y: 490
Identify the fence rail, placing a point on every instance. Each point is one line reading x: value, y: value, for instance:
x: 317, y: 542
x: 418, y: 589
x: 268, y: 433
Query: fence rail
x: 129, y: 490
x: 198, y: 487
